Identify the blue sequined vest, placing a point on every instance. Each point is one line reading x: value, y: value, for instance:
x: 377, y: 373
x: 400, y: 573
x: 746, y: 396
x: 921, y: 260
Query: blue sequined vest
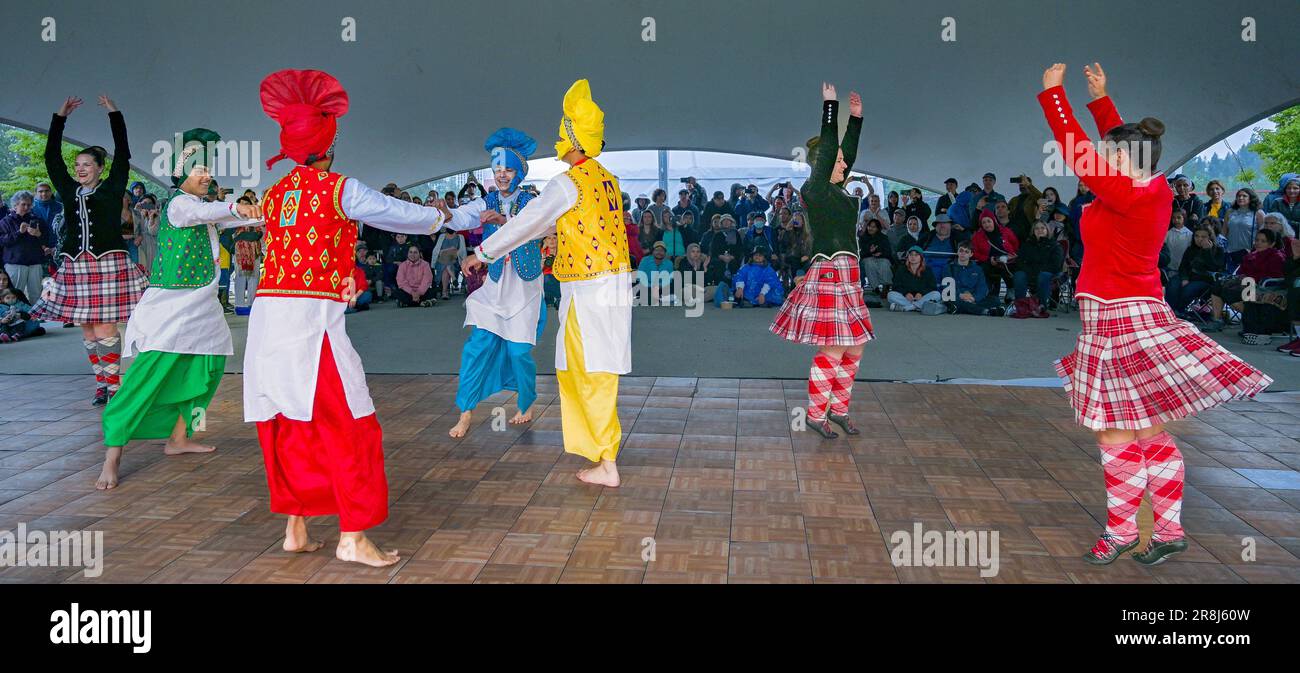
x: 527, y: 258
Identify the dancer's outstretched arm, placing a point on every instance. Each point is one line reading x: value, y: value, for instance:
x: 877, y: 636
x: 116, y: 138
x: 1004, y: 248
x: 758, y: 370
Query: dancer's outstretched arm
x: 120, y: 172
x: 852, y: 133
x: 466, y: 217
x: 534, y: 221
x: 827, y: 144
x: 182, y: 212
x: 364, y: 204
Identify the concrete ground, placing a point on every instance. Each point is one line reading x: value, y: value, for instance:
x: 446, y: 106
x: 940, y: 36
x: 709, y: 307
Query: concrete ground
x: 716, y: 344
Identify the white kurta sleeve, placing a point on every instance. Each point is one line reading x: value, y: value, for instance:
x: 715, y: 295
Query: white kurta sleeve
x: 466, y: 217
x: 191, y: 212
x: 535, y: 220
x: 385, y: 212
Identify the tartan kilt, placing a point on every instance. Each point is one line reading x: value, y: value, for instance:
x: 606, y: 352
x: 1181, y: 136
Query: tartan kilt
x: 1136, y: 365
x: 826, y: 309
x: 90, y: 290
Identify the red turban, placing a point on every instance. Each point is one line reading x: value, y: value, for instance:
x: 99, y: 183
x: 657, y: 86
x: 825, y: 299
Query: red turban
x: 305, y: 103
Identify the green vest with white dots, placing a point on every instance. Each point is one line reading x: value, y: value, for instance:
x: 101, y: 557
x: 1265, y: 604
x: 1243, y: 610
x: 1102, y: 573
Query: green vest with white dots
x: 184, y: 260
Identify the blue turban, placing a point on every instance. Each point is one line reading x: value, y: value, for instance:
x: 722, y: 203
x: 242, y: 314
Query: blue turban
x: 510, y: 148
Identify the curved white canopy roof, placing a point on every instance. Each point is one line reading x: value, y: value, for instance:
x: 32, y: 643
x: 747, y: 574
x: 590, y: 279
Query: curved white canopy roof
x: 429, y: 81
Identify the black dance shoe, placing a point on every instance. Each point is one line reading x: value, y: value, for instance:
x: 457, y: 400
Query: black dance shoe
x: 1159, y: 551
x: 844, y: 422
x: 101, y: 397
x: 823, y: 428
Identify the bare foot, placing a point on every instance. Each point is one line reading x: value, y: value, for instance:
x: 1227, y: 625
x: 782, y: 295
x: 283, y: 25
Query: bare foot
x: 604, y: 474
x: 108, y: 476
x: 522, y: 417
x: 357, y: 548
x: 187, y: 445
x: 462, y: 426
x: 296, y: 539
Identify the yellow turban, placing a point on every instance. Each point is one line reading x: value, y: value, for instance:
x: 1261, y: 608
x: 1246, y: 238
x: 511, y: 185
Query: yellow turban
x: 583, y: 125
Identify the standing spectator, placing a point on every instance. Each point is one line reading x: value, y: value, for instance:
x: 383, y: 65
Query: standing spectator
x: 662, y: 213
x: 1288, y: 203
x: 1281, y: 189
x: 1244, y: 219
x: 448, y: 253
x: 758, y: 236
x: 634, y: 249
x: 684, y: 206
x: 686, y: 226
x: 1191, y: 205
x: 948, y: 197
x: 987, y: 197
x: 698, y: 197
x: 1177, y: 240
x: 750, y: 202
x: 414, y: 281
x: 1022, y: 210
x: 247, y: 264
x: 973, y: 296
x: 642, y: 202
x: 915, y: 288
x: 22, y: 239
x: 891, y: 205
x: 960, y: 212
x: 1082, y: 197
x: 147, y: 218
x: 718, y: 206
x: 918, y: 208
x: 1038, y: 260
x: 994, y: 247
x: 794, y: 249
x: 871, y: 209
x: 1215, y: 206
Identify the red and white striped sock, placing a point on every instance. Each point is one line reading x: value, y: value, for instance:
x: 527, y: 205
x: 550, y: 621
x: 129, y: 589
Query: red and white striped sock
x: 1164, y: 464
x: 843, y: 389
x: 1126, y: 480
x: 821, y: 386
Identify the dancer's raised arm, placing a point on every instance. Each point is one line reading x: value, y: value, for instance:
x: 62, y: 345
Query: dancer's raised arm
x: 121, y: 169
x: 534, y: 221
x: 360, y: 202
x: 1077, y: 149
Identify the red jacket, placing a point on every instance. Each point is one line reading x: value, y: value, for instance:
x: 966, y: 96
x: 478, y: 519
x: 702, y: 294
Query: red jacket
x: 1264, y: 264
x: 1124, y: 227
x: 634, y: 243
x: 981, y: 249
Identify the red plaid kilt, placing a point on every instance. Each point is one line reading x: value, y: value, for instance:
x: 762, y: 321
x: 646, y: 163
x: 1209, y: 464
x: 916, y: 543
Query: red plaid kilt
x: 89, y: 290
x: 1136, y: 365
x: 826, y: 309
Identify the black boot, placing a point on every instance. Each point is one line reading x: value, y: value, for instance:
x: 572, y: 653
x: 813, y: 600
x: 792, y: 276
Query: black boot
x: 1107, y: 549
x: 844, y: 422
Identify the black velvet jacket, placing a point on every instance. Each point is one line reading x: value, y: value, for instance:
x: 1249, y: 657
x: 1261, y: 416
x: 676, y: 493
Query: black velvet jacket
x: 91, y: 222
x: 832, y: 212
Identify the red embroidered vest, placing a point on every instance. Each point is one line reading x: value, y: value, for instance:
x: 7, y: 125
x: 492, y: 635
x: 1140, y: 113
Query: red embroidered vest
x: 309, y: 241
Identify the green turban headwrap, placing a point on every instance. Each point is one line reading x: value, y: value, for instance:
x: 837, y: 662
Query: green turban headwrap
x: 193, y: 151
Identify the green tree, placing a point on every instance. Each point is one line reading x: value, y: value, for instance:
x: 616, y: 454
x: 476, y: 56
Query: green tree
x: 27, y: 163
x: 1279, y: 147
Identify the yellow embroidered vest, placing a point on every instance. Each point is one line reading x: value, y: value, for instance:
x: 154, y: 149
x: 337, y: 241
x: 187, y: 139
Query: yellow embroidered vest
x: 591, y: 236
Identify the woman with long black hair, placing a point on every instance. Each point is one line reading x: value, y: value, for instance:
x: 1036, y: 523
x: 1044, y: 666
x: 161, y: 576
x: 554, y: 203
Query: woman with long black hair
x: 98, y: 286
x: 1135, y: 366
x: 826, y: 310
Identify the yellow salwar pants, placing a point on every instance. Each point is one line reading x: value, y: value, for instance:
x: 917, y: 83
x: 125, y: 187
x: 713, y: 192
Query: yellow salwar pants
x: 588, y: 401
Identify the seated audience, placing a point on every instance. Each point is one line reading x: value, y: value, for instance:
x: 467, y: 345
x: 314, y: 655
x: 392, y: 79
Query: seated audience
x: 915, y: 288
x: 973, y: 296
x: 414, y: 279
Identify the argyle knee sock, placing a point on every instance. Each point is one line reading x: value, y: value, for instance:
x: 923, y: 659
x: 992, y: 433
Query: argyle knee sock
x: 1164, y: 463
x: 1126, y: 480
x: 92, y: 352
x: 821, y: 384
x: 843, y: 389
x: 110, y: 357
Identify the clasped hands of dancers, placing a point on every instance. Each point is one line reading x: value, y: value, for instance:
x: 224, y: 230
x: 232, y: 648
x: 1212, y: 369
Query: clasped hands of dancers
x: 1135, y: 366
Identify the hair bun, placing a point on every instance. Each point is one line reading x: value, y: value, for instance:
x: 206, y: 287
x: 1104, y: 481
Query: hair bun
x: 1152, y: 127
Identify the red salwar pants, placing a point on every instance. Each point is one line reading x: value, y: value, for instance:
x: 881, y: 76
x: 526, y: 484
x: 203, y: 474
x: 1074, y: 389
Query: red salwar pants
x: 332, y: 464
